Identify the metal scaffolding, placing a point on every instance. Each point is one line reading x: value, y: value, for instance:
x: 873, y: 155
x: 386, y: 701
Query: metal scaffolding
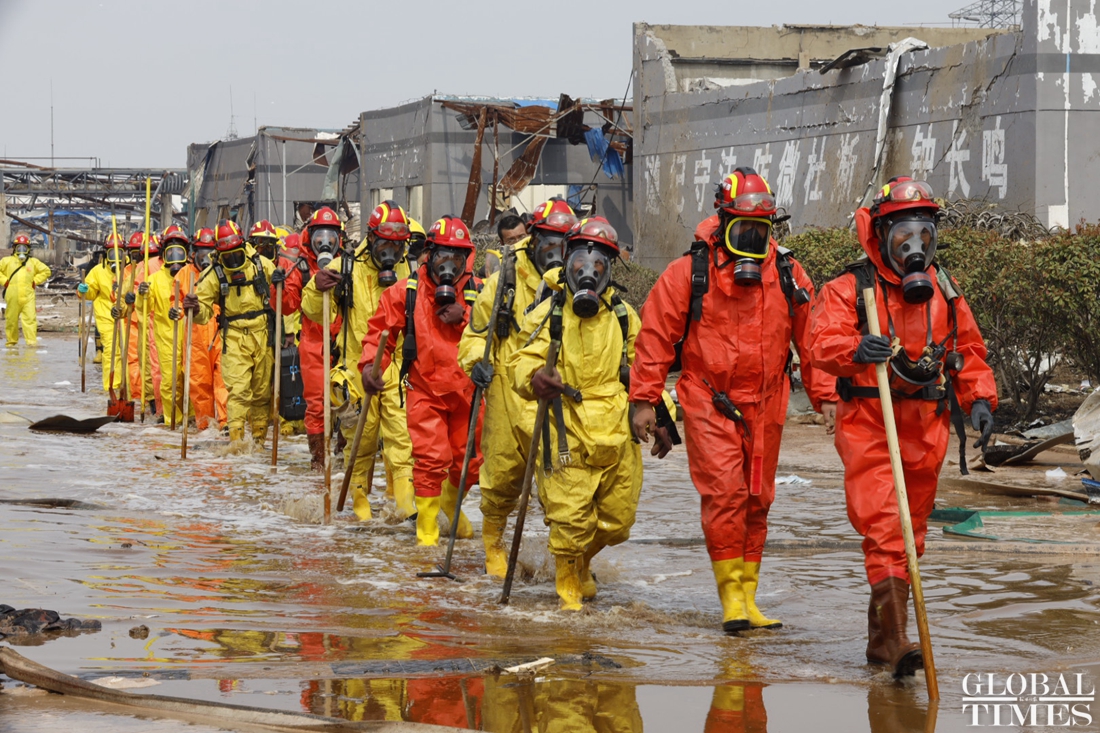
x: 989, y: 14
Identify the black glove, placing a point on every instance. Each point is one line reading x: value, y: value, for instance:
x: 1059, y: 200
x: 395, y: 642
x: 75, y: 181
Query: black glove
x: 143, y: 288
x: 873, y: 350
x: 116, y: 312
x: 130, y: 298
x: 174, y: 314
x: 981, y: 417
x: 278, y: 276
x: 482, y: 374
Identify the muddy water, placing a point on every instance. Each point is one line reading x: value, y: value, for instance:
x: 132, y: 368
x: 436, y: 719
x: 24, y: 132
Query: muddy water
x: 248, y: 605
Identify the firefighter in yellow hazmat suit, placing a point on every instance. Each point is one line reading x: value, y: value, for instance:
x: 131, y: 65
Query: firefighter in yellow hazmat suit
x: 378, y: 263
x: 161, y: 299
x: 506, y: 431
x: 240, y: 281
x: 99, y: 287
x: 591, y: 497
x: 20, y: 274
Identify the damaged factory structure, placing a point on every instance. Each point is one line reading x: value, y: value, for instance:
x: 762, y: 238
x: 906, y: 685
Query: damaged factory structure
x: 828, y: 114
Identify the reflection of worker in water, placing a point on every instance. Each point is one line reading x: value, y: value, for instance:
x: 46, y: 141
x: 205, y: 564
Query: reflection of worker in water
x: 735, y: 304
x: 737, y: 708
x: 936, y: 355
x: 20, y: 274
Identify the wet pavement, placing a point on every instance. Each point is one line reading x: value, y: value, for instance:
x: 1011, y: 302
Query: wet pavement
x: 247, y: 604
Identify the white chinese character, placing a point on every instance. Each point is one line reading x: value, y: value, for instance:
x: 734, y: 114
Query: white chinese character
x: 788, y: 167
x: 994, y: 167
x: 846, y: 168
x: 653, y: 184
x: 729, y: 161
x: 762, y: 160
x: 702, y: 178
x: 679, y: 161
x: 956, y: 156
x: 924, y: 154
x: 815, y: 164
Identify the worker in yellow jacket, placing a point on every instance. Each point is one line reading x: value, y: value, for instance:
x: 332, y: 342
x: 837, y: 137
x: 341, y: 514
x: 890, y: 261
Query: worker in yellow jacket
x: 100, y: 287
x: 20, y: 274
x: 377, y: 263
x: 162, y: 298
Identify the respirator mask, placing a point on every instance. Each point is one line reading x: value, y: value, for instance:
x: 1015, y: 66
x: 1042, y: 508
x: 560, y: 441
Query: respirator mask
x: 909, y: 246
x: 233, y: 260
x: 386, y: 253
x: 587, y: 273
x: 175, y: 257
x: 324, y: 243
x: 546, y: 250
x: 203, y: 257
x: 22, y: 251
x: 265, y: 247
x: 446, y: 265
x: 747, y: 238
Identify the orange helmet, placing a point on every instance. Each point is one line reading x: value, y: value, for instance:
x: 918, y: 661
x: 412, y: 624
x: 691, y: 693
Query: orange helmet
x: 263, y: 229
x: 22, y: 239
x: 745, y: 193
x: 595, y: 229
x: 555, y: 215
x: 389, y: 221
x: 901, y: 193
x: 204, y: 238
x: 174, y: 233
x: 229, y: 236
x: 450, y: 231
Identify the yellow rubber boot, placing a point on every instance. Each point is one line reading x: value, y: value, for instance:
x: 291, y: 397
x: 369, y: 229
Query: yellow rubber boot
x: 236, y: 434
x: 568, y: 582
x: 749, y: 580
x: 403, y: 496
x: 496, y: 559
x: 447, y: 500
x: 360, y: 503
x: 728, y: 574
x: 427, y: 521
x: 588, y: 580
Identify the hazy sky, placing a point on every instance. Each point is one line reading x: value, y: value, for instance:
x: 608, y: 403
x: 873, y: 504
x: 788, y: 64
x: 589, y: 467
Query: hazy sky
x: 135, y: 81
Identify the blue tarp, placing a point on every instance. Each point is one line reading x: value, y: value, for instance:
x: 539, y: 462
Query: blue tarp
x: 603, y: 153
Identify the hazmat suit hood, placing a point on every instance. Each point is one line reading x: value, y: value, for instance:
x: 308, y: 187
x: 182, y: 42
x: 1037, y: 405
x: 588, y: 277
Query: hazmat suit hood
x: 865, y: 230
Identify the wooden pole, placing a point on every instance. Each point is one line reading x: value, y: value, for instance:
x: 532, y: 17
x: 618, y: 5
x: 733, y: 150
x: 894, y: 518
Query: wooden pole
x: 903, y: 501
x: 80, y: 330
x: 175, y: 349
x: 361, y: 423
x: 326, y: 352
x: 528, y: 477
x: 187, y: 366
x: 277, y: 376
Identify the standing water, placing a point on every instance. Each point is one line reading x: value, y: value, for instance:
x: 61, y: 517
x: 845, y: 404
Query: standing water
x: 244, y: 603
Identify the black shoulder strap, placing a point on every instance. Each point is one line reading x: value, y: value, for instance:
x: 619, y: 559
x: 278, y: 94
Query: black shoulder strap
x: 795, y: 294
x: 700, y: 280
x: 408, y: 347
x: 864, y: 272
x: 259, y: 282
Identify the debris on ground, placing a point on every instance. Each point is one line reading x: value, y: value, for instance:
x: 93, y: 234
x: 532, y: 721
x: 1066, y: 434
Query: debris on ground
x: 31, y: 621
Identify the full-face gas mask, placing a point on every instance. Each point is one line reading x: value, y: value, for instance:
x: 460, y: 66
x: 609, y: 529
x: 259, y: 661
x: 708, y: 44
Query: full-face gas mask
x: 747, y: 238
x: 233, y: 260
x: 546, y: 249
x: 587, y: 273
x: 386, y: 253
x: 445, y: 266
x: 175, y: 257
x: 22, y: 251
x: 265, y: 247
x: 908, y: 248
x: 202, y: 257
x: 324, y: 243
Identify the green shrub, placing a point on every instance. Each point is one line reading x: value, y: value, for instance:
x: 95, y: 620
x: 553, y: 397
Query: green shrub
x: 823, y: 253
x: 1068, y: 267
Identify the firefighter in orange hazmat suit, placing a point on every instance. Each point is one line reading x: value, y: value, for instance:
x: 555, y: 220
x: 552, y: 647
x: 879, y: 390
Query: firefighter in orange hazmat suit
x: 937, y: 366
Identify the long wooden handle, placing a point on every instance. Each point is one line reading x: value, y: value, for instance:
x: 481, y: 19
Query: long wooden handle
x: 361, y: 423
x: 528, y: 477
x: 277, y: 374
x: 175, y: 351
x: 83, y: 340
x: 903, y: 501
x: 187, y: 371
x: 326, y: 354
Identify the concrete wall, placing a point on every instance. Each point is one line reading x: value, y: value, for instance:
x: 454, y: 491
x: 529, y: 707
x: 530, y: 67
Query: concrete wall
x: 982, y: 120
x: 423, y: 144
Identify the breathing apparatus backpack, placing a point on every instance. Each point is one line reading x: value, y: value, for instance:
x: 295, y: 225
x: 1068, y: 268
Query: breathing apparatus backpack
x: 292, y: 403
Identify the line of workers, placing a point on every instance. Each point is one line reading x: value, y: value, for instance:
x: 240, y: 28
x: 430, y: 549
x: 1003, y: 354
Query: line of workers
x: 727, y: 315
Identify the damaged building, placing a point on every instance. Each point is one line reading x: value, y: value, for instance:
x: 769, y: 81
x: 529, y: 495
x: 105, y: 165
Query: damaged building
x: 828, y: 114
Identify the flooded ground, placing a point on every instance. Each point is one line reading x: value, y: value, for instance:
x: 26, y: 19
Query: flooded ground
x: 244, y: 604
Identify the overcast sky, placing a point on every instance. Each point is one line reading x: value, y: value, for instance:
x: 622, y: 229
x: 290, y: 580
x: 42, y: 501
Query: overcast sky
x: 135, y: 81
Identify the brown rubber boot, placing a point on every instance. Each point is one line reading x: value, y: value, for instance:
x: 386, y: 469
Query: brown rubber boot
x: 317, y: 451
x: 890, y: 604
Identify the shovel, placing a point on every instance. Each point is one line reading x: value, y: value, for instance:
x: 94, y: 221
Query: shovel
x: 66, y: 424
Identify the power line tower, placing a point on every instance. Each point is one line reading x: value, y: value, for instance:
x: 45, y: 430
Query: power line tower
x: 988, y: 14
x: 231, y: 133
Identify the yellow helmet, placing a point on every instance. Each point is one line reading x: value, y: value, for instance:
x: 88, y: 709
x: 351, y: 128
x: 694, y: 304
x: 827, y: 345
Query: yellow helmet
x: 282, y: 233
x: 415, y: 228
x: 346, y: 392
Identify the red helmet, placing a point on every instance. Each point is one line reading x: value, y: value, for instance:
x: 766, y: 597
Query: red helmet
x: 389, y: 221
x: 901, y: 193
x: 22, y: 239
x: 450, y: 231
x: 325, y: 217
x: 203, y: 238
x: 292, y: 241
x: 228, y: 236
x: 595, y: 229
x: 745, y: 193
x: 555, y: 215
x: 174, y: 233
x: 136, y: 241
x: 114, y: 241
x: 263, y: 229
